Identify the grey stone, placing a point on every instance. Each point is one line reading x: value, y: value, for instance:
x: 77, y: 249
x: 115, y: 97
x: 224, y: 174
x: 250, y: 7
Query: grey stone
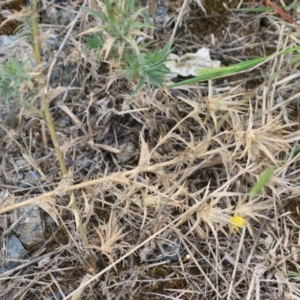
x: 127, y: 152
x: 59, y: 16
x: 168, y: 248
x: 161, y: 11
x: 64, y: 70
x: 5, y: 41
x: 3, y: 269
x: 30, y: 228
x: 168, y: 251
x: 31, y: 179
x: 15, y: 251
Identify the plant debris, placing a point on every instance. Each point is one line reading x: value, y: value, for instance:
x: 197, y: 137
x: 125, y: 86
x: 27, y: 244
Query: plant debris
x: 156, y: 177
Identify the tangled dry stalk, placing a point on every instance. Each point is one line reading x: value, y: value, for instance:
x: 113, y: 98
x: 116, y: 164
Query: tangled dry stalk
x: 147, y: 167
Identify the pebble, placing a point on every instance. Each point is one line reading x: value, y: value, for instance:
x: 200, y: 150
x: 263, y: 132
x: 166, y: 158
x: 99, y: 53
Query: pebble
x: 127, y: 152
x: 167, y: 251
x: 30, y: 228
x: 161, y: 12
x: 31, y: 179
x: 15, y: 252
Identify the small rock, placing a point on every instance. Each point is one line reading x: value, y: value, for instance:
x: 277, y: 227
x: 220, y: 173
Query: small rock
x: 30, y: 228
x: 59, y: 16
x: 20, y: 162
x: 15, y: 251
x: 170, y: 250
x: 161, y: 12
x: 64, y: 70
x: 3, y: 269
x: 127, y: 152
x: 31, y: 178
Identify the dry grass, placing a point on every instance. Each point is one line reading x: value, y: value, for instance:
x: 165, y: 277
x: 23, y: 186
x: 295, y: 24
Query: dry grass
x: 160, y: 164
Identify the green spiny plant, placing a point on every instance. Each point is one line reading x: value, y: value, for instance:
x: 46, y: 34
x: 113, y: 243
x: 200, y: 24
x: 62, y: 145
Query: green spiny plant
x: 25, y: 29
x: 116, y: 39
x: 120, y: 26
x: 146, y: 67
x: 15, y: 81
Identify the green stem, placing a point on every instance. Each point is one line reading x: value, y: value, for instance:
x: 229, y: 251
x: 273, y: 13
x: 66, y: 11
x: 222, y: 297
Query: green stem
x: 49, y: 119
x: 47, y: 113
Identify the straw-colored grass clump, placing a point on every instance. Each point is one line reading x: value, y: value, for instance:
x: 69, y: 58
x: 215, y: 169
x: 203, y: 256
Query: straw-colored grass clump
x: 208, y: 169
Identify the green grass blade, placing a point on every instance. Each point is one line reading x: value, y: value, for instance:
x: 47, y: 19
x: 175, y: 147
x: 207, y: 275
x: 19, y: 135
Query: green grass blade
x: 253, y: 9
x: 293, y: 274
x: 294, y: 151
x: 263, y: 9
x: 208, y: 74
x: 242, y: 66
x: 213, y: 73
x: 263, y: 180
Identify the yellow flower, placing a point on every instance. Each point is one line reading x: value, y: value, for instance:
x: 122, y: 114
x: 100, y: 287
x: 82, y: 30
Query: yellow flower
x: 237, y: 222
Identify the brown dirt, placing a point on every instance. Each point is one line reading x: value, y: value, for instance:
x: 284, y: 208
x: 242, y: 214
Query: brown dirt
x: 10, y: 27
